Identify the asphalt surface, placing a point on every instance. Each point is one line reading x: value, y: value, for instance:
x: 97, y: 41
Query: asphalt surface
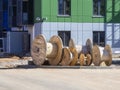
x: 59, y: 79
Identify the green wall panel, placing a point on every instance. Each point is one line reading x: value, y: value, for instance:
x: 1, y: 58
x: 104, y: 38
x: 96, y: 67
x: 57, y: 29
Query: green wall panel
x: 37, y: 9
x: 81, y: 11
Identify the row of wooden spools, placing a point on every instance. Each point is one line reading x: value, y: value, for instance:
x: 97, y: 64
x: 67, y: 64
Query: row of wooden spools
x: 54, y: 52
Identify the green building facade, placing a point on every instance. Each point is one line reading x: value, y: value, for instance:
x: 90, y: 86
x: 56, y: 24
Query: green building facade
x: 98, y: 20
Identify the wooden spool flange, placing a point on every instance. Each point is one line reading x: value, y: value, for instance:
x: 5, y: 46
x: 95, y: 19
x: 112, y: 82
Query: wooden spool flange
x: 96, y: 55
x: 107, y: 55
x: 74, y: 56
x: 84, y: 52
x: 84, y: 49
x: 89, y: 46
x: 85, y: 59
x: 102, y: 54
x: 38, y: 50
x: 66, y: 57
x: 41, y: 50
x: 56, y: 40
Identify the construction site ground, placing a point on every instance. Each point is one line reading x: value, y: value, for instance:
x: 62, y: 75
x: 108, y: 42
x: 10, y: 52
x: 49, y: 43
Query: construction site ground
x: 12, y: 62
x: 59, y: 79
x: 21, y: 74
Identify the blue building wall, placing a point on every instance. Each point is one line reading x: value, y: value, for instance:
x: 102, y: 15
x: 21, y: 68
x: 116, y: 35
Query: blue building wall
x: 4, y: 20
x: 5, y: 15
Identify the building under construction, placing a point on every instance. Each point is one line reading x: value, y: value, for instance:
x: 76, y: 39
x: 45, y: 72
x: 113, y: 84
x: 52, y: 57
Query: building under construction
x: 97, y: 20
x: 15, y: 16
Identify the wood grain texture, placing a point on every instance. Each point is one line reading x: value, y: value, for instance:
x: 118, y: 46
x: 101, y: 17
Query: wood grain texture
x: 66, y: 57
x: 38, y: 50
x: 96, y: 56
x: 56, y: 40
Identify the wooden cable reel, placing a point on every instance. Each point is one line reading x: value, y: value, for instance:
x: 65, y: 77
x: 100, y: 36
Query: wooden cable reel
x: 74, y: 52
x: 84, y: 52
x: 96, y: 55
x: 107, y: 55
x: 51, y: 50
x: 69, y: 57
x: 102, y: 54
x: 75, y: 56
x: 66, y: 57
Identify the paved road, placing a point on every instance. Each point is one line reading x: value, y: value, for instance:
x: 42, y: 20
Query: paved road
x: 59, y: 79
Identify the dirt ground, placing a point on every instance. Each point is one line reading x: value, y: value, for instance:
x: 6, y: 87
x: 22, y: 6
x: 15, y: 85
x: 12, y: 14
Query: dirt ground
x: 60, y: 79
x: 31, y: 78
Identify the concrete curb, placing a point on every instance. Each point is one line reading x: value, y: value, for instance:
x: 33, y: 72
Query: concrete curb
x: 26, y: 64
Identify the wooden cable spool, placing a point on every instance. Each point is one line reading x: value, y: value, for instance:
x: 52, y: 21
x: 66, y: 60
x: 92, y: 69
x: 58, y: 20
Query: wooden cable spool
x: 85, y: 59
x: 38, y: 50
x: 102, y: 54
x: 66, y: 57
x: 96, y: 55
x: 107, y: 55
x: 51, y: 50
x: 84, y: 52
x: 69, y: 57
x: 89, y: 46
x: 75, y: 56
x: 81, y: 59
x: 56, y: 40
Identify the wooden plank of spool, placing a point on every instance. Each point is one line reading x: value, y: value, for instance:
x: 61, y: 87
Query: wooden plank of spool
x: 81, y: 59
x: 57, y: 42
x: 42, y: 50
x: 107, y: 55
x: 71, y: 44
x: 66, y: 57
x: 89, y: 46
x: 38, y: 50
x: 75, y: 56
x: 85, y: 60
x: 88, y: 60
x: 96, y: 56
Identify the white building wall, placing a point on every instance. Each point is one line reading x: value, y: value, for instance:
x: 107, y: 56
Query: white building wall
x: 80, y: 32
